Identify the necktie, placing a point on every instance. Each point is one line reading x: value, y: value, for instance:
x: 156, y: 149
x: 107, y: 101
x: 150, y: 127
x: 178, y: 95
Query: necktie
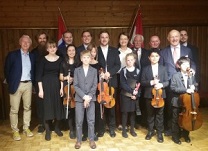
x: 175, y: 55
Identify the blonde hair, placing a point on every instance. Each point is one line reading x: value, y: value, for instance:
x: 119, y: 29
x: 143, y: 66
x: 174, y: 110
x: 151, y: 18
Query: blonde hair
x: 131, y: 54
x: 85, y: 53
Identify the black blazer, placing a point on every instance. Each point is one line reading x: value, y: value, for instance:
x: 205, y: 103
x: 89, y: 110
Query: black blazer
x: 113, y: 63
x: 144, y: 60
x: 177, y: 86
x: 147, y: 76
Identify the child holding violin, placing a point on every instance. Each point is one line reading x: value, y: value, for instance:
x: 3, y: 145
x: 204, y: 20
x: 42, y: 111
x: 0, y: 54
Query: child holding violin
x: 85, y: 85
x: 129, y: 77
x: 180, y: 84
x: 154, y: 78
x: 66, y: 76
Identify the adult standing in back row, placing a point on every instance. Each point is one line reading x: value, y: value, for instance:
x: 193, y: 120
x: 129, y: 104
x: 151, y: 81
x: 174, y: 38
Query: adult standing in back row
x: 19, y: 74
x: 168, y: 58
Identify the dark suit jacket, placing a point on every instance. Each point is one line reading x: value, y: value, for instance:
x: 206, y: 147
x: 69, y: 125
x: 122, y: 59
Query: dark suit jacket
x: 166, y: 59
x: 80, y: 49
x: 147, y: 76
x: 85, y: 85
x: 113, y: 63
x: 177, y: 86
x: 13, y: 69
x: 144, y: 60
x: 61, y: 50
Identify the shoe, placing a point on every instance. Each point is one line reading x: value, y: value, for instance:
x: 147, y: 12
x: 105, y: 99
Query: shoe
x: 149, y: 135
x: 41, y: 129
x: 28, y: 133
x: 92, y: 145
x: 168, y: 133
x: 133, y: 134
x: 160, y: 138
x: 16, y: 136
x: 72, y: 135
x: 187, y: 139
x: 95, y: 138
x: 112, y: 134
x: 100, y: 134
x: 176, y: 140
x: 124, y: 134
x: 58, y: 132
x: 120, y: 128
x: 48, y: 135
x: 77, y: 145
x: 84, y: 138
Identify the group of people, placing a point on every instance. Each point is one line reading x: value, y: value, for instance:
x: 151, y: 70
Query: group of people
x: 50, y: 68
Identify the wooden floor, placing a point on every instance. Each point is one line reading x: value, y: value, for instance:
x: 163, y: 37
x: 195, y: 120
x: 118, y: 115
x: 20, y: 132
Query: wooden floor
x: 37, y: 143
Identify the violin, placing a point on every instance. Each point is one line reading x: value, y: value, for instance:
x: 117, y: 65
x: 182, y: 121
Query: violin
x: 190, y: 118
x: 69, y: 93
x: 157, y: 100
x: 103, y: 96
x: 111, y: 92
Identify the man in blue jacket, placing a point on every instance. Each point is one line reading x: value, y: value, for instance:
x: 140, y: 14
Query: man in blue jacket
x: 19, y: 74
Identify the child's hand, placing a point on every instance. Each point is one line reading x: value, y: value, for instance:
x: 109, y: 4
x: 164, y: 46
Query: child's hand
x: 135, y: 92
x: 133, y: 97
x: 190, y: 91
x: 86, y: 103
x: 158, y: 86
x: 192, y: 87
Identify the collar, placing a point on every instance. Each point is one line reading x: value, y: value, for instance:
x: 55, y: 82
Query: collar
x: 23, y: 53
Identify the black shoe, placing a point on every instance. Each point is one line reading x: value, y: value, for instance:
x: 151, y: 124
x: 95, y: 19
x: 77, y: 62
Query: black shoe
x: 168, y: 133
x: 160, y: 138
x: 149, y: 135
x: 72, y: 135
x: 112, y: 134
x: 176, y: 140
x: 95, y: 137
x: 58, y: 132
x: 100, y: 134
x: 41, y: 129
x: 124, y: 134
x: 187, y: 139
x: 84, y: 138
x: 133, y: 133
x: 48, y: 136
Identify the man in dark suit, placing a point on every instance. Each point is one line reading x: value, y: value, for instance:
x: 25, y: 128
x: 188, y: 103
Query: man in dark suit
x: 86, y: 40
x: 194, y: 50
x: 19, y: 74
x: 168, y: 58
x: 141, y: 53
x: 141, y: 62
x: 39, y: 52
x: 108, y: 59
x: 67, y: 39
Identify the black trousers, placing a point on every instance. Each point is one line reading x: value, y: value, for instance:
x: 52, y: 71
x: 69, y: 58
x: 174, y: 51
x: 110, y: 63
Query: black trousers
x: 177, y: 132
x: 154, y: 117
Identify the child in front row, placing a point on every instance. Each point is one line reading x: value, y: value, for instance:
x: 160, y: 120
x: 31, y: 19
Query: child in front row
x: 154, y: 77
x: 129, y: 77
x: 179, y: 85
x: 85, y: 85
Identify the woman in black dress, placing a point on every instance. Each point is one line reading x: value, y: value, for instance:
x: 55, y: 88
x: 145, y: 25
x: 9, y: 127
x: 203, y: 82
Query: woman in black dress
x: 51, y: 89
x: 66, y: 75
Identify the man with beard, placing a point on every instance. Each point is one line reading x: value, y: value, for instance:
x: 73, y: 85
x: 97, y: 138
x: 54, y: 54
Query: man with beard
x: 39, y: 52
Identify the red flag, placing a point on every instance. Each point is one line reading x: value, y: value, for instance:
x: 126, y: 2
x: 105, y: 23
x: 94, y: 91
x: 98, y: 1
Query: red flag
x: 137, y: 27
x: 61, y: 29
